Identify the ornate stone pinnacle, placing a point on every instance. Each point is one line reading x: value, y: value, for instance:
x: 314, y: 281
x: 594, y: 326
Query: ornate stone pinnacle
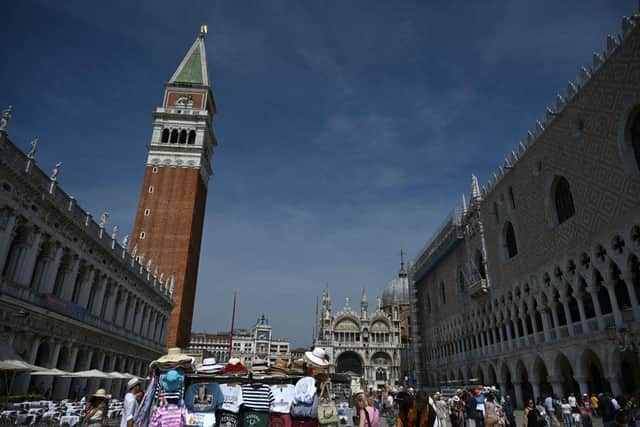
x: 560, y: 102
x: 572, y: 90
x: 627, y: 25
x: 612, y: 44
x: 530, y: 137
x: 598, y: 60
x: 584, y: 75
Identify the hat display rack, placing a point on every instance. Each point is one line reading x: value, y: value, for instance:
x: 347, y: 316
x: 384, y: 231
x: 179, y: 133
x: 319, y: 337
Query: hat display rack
x: 170, y: 374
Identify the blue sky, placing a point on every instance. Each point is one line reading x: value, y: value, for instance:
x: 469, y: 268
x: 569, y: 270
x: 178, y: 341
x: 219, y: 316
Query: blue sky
x: 347, y: 129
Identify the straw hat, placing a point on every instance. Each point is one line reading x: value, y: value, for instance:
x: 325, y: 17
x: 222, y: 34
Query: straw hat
x: 317, y: 357
x: 297, y: 367
x: 280, y: 366
x: 102, y: 393
x: 174, y: 355
x: 259, y: 365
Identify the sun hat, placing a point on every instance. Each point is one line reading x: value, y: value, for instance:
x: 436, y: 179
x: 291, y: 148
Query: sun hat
x: 209, y: 366
x: 172, y: 380
x: 132, y: 383
x: 456, y: 399
x: 234, y: 366
x: 317, y: 357
x: 259, y: 365
x: 102, y: 393
x: 297, y: 367
x: 280, y: 366
x: 174, y: 358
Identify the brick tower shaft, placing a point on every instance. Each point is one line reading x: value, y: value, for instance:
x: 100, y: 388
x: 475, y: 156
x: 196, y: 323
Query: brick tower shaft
x: 168, y: 227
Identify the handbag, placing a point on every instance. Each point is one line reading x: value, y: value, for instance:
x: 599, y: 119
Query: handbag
x: 305, y: 410
x: 327, y: 411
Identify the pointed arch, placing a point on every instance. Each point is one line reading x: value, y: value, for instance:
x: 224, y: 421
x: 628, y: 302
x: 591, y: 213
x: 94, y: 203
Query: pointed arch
x: 562, y: 199
x: 510, y: 243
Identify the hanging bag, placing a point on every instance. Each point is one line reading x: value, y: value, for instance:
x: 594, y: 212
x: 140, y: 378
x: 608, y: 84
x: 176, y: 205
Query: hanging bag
x: 327, y: 411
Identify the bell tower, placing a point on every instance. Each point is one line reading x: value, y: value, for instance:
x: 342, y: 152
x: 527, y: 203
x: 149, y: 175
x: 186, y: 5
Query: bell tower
x: 168, y: 227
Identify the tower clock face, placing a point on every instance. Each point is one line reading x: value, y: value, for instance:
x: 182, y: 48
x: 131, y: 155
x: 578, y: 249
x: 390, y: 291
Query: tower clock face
x: 263, y: 335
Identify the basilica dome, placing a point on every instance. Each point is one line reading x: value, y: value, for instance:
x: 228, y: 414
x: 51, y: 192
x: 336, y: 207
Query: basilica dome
x: 397, y: 291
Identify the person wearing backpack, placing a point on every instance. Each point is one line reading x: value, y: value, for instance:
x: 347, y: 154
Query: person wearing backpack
x: 368, y: 415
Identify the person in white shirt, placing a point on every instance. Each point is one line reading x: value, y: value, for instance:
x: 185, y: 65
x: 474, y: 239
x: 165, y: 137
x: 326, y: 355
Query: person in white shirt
x: 572, y: 401
x: 130, y: 403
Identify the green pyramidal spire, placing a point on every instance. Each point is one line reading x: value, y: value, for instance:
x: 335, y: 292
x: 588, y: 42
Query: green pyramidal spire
x: 193, y: 68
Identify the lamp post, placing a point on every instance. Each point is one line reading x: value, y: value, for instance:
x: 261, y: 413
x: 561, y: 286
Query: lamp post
x: 625, y: 338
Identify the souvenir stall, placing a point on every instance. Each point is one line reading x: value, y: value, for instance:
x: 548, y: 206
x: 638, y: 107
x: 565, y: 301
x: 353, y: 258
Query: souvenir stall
x: 231, y: 395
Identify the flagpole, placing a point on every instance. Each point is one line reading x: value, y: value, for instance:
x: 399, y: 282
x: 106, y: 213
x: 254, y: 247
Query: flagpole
x: 233, y: 321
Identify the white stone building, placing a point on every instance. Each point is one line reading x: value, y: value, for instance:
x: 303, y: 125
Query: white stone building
x: 71, y: 296
x: 534, y: 287
x: 246, y: 345
x: 369, y: 346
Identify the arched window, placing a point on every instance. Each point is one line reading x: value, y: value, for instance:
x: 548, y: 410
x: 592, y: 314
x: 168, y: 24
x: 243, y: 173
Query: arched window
x: 496, y: 213
x: 192, y: 137
x: 174, y: 136
x: 632, y: 135
x: 510, y: 245
x: 563, y: 200
x: 480, y: 264
x: 443, y: 294
x: 512, y: 198
x: 183, y: 136
x: 165, y: 135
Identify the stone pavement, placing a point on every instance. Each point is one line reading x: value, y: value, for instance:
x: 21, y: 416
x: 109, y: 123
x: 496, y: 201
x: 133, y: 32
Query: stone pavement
x: 597, y: 422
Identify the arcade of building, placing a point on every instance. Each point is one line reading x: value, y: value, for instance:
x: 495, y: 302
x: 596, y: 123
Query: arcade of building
x: 72, y: 297
x: 534, y: 286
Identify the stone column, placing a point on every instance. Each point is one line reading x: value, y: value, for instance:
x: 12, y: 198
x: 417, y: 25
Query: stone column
x: 627, y: 277
x: 133, y: 308
x: 583, y: 315
x: 7, y: 228
x: 51, y: 271
x: 27, y: 261
x: 99, y: 296
x: 596, y: 306
x: 616, y: 390
x: 108, y: 384
x: 554, y: 317
x: 63, y: 385
x: 617, y: 314
x: 536, y: 389
x: 546, y: 329
x: 86, y: 287
x: 517, y: 388
x: 582, y: 382
x: 557, y: 385
x: 21, y: 382
x: 51, y: 363
x: 567, y: 313
x: 94, y: 383
x: 70, y: 279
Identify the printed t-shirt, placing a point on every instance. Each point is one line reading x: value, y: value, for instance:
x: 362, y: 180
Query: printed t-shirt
x: 282, y: 398
x: 257, y: 397
x: 255, y: 418
x: 232, y: 397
